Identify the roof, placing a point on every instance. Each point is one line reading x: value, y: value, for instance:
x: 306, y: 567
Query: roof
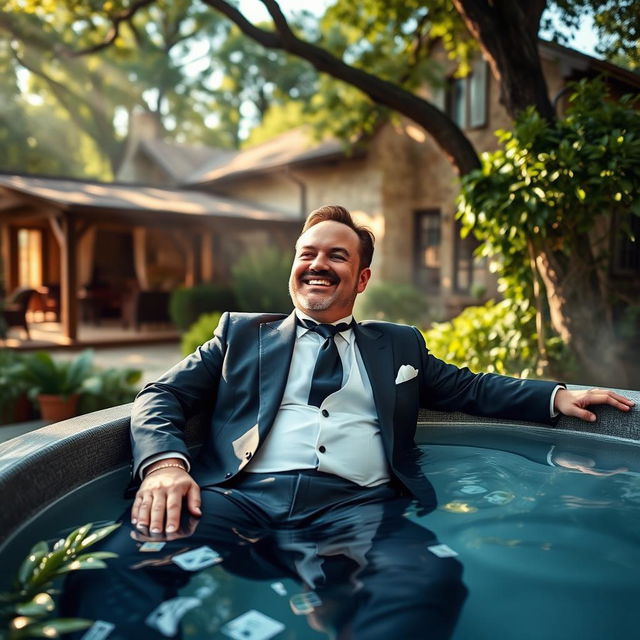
x: 290, y: 148
x: 127, y: 197
x: 582, y: 61
x: 182, y: 160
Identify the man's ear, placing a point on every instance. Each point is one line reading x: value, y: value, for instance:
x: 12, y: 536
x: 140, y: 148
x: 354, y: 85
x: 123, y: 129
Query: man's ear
x: 363, y: 279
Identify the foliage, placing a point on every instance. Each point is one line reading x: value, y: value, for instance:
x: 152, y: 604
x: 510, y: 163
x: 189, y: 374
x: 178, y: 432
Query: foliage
x: 497, y: 337
x: 616, y: 22
x: 12, y: 380
x: 27, y: 610
x: 260, y: 280
x: 40, y: 373
x: 109, y: 388
x: 553, y: 181
x: 187, y: 304
x: 201, y: 331
x: 393, y: 302
x: 56, y: 377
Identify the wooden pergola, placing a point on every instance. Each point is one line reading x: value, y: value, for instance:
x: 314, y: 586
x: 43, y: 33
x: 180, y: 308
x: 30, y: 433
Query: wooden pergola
x: 71, y: 208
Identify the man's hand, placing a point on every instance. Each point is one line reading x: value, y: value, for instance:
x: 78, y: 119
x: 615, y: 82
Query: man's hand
x: 158, y: 503
x: 574, y: 403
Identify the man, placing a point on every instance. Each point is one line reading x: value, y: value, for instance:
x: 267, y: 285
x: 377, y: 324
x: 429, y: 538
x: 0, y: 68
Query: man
x: 311, y: 433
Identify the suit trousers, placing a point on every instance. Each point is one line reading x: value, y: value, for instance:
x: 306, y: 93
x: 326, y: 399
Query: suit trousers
x: 363, y: 570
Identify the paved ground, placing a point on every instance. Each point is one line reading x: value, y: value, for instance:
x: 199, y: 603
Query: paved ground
x: 152, y: 359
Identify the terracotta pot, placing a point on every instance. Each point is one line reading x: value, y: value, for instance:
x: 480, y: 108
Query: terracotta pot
x: 56, y: 408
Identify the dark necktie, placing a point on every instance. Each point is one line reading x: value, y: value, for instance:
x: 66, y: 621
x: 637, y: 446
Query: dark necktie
x: 327, y: 374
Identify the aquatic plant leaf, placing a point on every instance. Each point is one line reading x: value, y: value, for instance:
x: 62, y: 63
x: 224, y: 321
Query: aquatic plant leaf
x: 76, y: 537
x: 39, y: 606
x: 31, y: 562
x: 98, y: 535
x: 87, y: 563
x: 55, y: 628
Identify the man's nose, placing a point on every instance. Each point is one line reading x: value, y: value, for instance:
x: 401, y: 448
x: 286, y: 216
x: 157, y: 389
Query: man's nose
x: 319, y: 262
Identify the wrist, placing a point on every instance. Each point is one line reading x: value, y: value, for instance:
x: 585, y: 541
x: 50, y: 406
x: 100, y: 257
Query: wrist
x: 170, y: 463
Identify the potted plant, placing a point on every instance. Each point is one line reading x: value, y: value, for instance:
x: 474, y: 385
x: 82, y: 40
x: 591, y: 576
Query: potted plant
x: 14, y: 404
x: 56, y: 385
x: 109, y: 388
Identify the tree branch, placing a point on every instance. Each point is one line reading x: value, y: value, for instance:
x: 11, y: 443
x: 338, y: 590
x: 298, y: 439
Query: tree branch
x: 114, y: 32
x: 447, y: 134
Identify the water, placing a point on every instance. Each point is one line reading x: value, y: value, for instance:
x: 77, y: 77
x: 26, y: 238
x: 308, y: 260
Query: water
x: 546, y: 526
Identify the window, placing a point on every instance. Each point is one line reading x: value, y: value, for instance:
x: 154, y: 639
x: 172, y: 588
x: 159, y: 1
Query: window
x: 29, y: 258
x: 468, y: 269
x: 466, y: 99
x: 427, y: 249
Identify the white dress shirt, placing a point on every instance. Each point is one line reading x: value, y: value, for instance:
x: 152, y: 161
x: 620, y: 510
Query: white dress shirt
x: 342, y: 436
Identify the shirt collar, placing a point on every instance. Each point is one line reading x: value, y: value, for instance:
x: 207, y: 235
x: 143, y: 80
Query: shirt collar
x: 302, y: 330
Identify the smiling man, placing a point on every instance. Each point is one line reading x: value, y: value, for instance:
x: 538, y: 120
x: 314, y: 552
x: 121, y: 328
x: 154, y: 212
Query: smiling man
x: 309, y: 462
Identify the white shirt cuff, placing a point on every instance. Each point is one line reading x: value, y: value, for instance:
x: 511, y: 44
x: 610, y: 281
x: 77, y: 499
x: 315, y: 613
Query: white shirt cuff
x: 552, y: 412
x: 161, y: 456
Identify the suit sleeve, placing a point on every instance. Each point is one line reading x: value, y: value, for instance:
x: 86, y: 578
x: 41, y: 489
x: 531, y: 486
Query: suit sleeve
x: 446, y: 387
x: 161, y: 410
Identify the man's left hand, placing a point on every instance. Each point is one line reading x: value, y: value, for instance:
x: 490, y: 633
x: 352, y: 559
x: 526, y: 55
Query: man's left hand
x: 574, y: 402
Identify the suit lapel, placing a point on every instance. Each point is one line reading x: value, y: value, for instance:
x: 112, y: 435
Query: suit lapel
x: 275, y: 351
x: 377, y: 355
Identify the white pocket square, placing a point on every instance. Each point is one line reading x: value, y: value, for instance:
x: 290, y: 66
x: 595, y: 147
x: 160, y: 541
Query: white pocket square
x: 406, y: 372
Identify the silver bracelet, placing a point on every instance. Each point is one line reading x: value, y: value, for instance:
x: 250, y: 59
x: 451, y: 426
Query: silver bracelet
x: 165, y: 466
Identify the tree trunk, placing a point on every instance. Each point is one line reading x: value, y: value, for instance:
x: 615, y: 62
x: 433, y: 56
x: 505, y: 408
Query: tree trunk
x: 507, y: 31
x: 580, y: 310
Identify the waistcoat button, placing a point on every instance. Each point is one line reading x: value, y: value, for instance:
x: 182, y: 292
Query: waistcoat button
x: 322, y: 448
x: 325, y: 413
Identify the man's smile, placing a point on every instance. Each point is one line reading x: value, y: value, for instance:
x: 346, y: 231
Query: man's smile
x: 313, y: 280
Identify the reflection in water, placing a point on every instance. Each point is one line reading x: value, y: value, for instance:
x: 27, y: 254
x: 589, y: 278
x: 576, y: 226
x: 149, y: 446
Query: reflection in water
x: 333, y: 560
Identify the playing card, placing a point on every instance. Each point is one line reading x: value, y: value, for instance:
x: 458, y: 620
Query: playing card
x: 166, y: 617
x: 252, y: 625
x: 442, y: 551
x: 197, y: 559
x: 279, y: 588
x: 99, y: 630
x: 151, y: 546
x: 304, y: 603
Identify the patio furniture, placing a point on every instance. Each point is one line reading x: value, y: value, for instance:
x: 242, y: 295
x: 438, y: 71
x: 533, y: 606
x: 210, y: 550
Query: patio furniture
x: 15, y: 308
x: 146, y: 307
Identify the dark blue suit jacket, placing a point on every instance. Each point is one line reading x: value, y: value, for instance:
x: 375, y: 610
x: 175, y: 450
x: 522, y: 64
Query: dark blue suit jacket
x: 242, y: 372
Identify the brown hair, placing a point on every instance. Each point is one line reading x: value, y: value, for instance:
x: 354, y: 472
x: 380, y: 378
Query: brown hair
x: 336, y: 213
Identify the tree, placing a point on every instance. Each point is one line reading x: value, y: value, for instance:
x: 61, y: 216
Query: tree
x: 548, y: 202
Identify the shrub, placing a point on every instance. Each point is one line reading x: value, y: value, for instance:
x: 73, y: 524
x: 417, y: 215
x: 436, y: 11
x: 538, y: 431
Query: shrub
x: 393, y: 302
x: 260, y: 280
x: 199, y: 332
x: 496, y: 337
x: 187, y: 304
x: 109, y: 388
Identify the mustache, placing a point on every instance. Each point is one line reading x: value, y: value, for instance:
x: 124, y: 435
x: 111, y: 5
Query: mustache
x: 324, y: 273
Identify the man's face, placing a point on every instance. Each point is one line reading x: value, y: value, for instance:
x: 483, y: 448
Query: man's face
x: 326, y: 275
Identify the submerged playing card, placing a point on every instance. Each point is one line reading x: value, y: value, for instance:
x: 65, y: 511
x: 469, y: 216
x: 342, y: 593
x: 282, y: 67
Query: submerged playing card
x: 197, y: 559
x: 152, y: 546
x: 442, y: 551
x: 99, y: 630
x: 166, y: 617
x: 252, y: 625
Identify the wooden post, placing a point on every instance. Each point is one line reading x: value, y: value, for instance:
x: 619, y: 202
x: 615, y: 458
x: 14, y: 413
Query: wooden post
x: 9, y: 258
x: 207, y: 257
x: 69, y: 278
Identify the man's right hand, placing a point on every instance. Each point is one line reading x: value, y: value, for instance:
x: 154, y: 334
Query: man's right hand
x: 158, y: 502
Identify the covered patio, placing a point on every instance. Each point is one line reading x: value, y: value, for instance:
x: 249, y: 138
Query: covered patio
x: 89, y: 249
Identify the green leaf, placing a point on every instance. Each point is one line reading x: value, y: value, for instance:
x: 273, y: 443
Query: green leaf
x: 57, y: 627
x: 98, y: 535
